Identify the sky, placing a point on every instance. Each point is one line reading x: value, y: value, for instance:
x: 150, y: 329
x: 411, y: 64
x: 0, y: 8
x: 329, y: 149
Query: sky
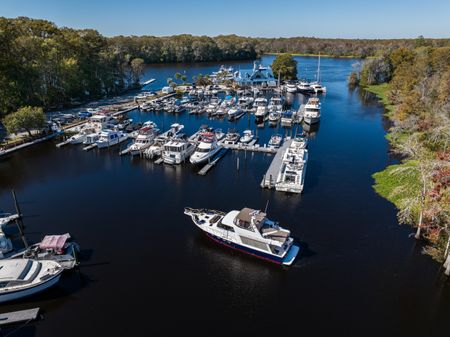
x: 279, y: 18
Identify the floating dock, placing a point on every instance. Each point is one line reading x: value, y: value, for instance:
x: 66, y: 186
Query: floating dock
x: 19, y: 316
x: 89, y: 147
x: 210, y: 165
x: 251, y: 147
x: 270, y: 177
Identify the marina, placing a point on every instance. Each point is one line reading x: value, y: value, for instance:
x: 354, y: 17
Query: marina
x: 127, y: 210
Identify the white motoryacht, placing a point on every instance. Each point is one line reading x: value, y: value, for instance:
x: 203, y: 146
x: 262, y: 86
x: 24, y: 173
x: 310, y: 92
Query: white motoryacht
x: 261, y: 108
x: 247, y: 137
x: 293, y: 168
x: 232, y: 137
x: 81, y: 136
x: 177, y: 150
x: 219, y: 134
x: 146, y: 136
x: 286, y: 118
x: 275, y: 104
x: 245, y: 102
x: 206, y: 149
x: 23, y: 277
x: 274, y: 117
x: 275, y: 141
x: 291, y: 88
x: 249, y: 231
x: 311, y: 112
x: 235, y: 112
x: 304, y: 87
x: 109, y: 138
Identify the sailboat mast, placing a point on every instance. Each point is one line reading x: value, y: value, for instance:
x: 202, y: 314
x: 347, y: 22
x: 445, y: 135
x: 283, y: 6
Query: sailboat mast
x: 318, y: 70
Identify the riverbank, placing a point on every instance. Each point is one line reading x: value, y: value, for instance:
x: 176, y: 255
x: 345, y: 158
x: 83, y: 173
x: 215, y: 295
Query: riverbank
x: 420, y: 134
x: 381, y: 91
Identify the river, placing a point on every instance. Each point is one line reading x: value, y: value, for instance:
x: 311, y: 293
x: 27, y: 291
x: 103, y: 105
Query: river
x: 147, y: 271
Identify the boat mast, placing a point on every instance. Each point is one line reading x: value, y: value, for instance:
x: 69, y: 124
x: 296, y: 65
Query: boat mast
x: 318, y: 70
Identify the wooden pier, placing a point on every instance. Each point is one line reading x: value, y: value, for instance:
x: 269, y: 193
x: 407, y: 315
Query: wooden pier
x: 210, y: 165
x: 270, y: 177
x: 19, y: 316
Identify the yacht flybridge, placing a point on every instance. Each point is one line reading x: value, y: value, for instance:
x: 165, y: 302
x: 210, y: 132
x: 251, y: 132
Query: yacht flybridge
x: 249, y: 231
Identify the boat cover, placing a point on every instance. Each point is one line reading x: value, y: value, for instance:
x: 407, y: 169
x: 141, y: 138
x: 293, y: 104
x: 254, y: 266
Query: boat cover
x: 55, y: 242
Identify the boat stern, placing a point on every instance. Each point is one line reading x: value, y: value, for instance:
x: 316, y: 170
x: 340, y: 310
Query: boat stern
x: 291, y: 255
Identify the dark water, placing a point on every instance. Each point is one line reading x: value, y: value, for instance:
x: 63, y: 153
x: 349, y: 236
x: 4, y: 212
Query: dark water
x: 149, y: 272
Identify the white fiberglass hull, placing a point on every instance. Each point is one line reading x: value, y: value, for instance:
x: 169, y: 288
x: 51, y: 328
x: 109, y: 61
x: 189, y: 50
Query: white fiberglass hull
x: 311, y: 120
x: 25, y: 292
x: 230, y: 240
x: 104, y: 144
x: 197, y: 158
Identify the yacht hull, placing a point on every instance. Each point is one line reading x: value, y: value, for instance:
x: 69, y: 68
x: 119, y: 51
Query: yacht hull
x: 286, y: 260
x: 15, y: 295
x: 201, y: 160
x: 311, y: 120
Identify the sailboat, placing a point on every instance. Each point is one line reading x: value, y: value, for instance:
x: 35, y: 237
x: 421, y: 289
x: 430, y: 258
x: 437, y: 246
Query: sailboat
x: 318, y: 88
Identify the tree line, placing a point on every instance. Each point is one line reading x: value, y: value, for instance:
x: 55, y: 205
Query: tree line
x: 415, y: 86
x: 49, y: 66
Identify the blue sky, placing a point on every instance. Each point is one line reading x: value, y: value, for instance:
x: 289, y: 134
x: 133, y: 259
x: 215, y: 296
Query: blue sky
x: 322, y: 18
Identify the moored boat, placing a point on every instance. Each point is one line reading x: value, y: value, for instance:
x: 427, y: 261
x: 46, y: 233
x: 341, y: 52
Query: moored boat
x: 206, y: 149
x: 275, y: 141
x: 177, y: 150
x: 249, y: 231
x: 311, y: 113
x: 58, y: 248
x: 109, y: 138
x: 23, y: 277
x: 247, y: 137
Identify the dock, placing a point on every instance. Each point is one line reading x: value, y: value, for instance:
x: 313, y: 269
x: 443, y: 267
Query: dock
x: 124, y: 152
x: 30, y: 143
x: 270, y: 177
x: 89, y: 147
x: 19, y: 316
x: 251, y: 147
x: 210, y: 165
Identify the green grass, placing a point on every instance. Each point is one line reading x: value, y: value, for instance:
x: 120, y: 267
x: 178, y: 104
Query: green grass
x: 386, y: 182
x: 381, y: 90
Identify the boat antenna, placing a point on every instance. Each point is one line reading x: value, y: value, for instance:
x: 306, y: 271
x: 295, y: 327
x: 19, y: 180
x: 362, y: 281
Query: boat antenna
x: 267, y: 206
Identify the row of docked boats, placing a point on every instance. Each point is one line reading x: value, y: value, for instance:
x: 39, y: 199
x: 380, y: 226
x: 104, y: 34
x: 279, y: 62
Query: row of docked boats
x: 199, y: 148
x: 304, y: 87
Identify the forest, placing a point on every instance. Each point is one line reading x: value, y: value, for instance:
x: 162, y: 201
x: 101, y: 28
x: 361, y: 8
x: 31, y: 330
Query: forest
x: 49, y: 66
x: 414, y: 85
